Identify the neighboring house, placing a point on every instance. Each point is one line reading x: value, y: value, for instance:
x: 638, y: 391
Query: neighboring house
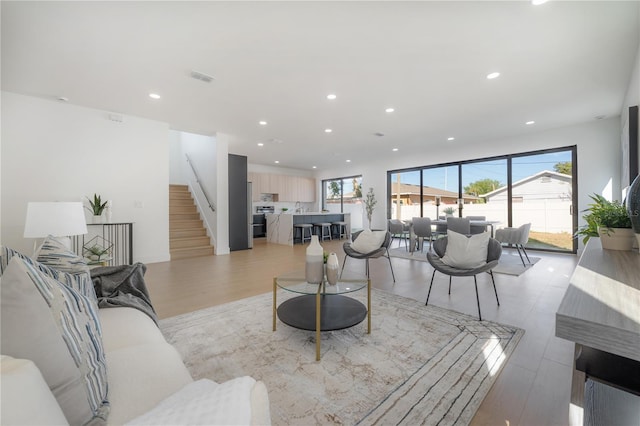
x: 544, y: 185
x: 410, y: 194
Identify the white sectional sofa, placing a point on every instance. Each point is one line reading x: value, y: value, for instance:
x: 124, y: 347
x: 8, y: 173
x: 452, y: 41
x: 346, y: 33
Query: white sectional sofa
x: 146, y: 380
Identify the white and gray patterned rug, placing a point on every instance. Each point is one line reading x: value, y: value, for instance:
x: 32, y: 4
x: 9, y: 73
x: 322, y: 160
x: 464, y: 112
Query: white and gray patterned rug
x: 420, y: 364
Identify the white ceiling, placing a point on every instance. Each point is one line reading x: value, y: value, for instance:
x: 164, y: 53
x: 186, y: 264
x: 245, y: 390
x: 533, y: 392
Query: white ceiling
x: 561, y: 63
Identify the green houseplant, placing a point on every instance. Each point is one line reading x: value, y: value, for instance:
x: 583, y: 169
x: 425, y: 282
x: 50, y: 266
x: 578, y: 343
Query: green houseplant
x: 449, y: 211
x: 608, y: 220
x: 97, y: 207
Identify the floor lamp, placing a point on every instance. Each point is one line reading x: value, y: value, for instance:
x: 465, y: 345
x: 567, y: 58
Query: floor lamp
x: 60, y: 219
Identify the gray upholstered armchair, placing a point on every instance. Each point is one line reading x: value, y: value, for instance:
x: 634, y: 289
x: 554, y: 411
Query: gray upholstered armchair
x: 435, y: 259
x: 516, y: 236
x: 383, y: 251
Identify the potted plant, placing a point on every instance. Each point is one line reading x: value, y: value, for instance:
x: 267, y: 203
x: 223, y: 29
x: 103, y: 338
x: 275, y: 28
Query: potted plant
x: 609, y: 221
x: 370, y: 204
x: 97, y: 207
x: 449, y: 211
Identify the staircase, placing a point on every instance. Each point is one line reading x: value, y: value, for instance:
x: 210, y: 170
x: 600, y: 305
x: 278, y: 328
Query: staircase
x: 187, y: 235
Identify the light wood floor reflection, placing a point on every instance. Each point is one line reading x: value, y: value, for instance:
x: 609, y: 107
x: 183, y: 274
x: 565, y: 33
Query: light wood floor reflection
x: 532, y: 389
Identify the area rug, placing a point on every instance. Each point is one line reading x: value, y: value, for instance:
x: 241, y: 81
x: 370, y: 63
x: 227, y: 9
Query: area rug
x: 510, y: 263
x: 420, y: 364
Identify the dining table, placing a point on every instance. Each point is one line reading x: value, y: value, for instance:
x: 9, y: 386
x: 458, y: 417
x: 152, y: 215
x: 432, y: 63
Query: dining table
x: 413, y: 240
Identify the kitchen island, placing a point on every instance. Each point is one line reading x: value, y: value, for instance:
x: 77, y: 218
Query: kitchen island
x: 280, y: 225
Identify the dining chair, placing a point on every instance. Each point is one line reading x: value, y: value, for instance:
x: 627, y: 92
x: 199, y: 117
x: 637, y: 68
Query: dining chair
x: 398, y: 229
x: 477, y: 229
x: 422, y: 229
x: 461, y: 225
x: 516, y: 236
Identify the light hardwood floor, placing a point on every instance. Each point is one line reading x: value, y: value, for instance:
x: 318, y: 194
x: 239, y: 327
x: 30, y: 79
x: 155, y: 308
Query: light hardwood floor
x: 532, y: 389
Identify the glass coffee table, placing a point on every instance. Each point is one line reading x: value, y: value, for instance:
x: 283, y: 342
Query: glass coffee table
x: 321, y: 307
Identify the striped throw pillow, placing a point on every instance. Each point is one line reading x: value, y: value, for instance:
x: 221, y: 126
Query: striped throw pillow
x: 79, y: 281
x: 56, y: 327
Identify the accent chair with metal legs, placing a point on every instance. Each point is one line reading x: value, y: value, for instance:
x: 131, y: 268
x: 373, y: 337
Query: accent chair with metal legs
x: 516, y: 236
x: 398, y: 229
x: 383, y: 251
x: 494, y: 251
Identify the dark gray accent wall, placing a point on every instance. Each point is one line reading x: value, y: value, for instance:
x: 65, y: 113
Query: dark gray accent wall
x: 238, y: 203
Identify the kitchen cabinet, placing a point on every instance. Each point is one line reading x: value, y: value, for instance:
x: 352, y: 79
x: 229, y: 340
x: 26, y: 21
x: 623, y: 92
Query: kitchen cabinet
x: 288, y: 188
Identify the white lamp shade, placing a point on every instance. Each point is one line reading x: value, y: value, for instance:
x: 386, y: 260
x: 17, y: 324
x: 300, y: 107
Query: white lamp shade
x: 54, y: 218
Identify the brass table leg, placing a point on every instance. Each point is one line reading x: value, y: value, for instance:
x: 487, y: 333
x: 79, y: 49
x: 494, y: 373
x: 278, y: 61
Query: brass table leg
x: 318, y: 324
x: 368, y: 306
x: 274, y: 304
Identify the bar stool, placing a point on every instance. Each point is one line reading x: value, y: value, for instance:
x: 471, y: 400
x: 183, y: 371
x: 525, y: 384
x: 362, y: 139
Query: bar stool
x: 303, y: 227
x: 321, y: 232
x: 341, y: 227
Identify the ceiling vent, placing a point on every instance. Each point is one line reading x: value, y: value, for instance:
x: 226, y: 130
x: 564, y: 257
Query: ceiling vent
x: 201, y: 76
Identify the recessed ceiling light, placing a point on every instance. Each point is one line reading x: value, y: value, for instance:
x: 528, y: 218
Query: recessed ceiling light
x: 348, y: 161
x: 314, y: 167
x: 389, y: 110
x: 328, y: 130
x: 394, y: 149
x: 260, y: 144
x: 600, y: 117
x: 154, y: 96
x: 493, y: 75
x: 451, y: 138
x: 262, y: 123
x: 63, y: 99
x: 538, y: 2
x: 277, y: 162
x: 331, y: 96
x: 528, y: 123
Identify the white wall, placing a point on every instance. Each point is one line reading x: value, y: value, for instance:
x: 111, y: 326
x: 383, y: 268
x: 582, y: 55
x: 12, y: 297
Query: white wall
x: 599, y: 160
x: 632, y: 96
x: 59, y: 152
x: 222, y: 194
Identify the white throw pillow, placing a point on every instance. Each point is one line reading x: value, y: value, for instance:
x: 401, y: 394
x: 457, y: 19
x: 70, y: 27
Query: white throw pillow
x: 466, y: 252
x: 368, y: 241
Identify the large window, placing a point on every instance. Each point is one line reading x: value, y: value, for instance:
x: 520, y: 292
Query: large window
x: 533, y: 187
x: 344, y: 195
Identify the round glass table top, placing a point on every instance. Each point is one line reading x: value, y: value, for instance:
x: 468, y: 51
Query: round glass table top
x: 296, y: 283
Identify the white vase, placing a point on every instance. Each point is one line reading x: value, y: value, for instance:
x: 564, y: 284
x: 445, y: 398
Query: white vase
x: 108, y: 212
x: 97, y: 218
x: 332, y: 268
x: 314, y: 266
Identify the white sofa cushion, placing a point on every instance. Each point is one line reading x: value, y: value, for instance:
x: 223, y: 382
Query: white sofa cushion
x: 58, y: 329
x: 204, y: 402
x: 140, y: 376
x: 122, y: 327
x: 26, y: 398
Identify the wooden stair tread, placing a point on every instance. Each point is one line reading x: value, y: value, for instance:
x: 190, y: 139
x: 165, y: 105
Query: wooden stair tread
x: 187, y: 234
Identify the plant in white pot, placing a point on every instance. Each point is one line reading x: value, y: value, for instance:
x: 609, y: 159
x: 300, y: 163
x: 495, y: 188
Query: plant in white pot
x: 609, y: 221
x: 370, y: 204
x: 97, y: 207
